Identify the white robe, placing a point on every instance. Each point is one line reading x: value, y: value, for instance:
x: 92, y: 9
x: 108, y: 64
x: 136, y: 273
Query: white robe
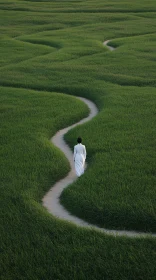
x: 79, y: 158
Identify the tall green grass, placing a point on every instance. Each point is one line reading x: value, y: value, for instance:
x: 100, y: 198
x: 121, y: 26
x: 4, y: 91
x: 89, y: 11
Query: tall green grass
x: 48, y: 47
x: 118, y: 189
x: 29, y: 118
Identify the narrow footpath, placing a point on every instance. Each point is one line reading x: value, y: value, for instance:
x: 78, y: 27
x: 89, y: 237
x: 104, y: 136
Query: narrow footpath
x: 51, y: 200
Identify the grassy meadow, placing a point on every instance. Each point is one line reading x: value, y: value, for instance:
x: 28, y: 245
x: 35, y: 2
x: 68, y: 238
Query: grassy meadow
x: 51, y: 51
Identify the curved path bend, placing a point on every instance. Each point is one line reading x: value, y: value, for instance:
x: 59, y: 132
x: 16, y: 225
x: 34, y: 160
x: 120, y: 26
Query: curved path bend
x: 105, y: 43
x: 51, y: 200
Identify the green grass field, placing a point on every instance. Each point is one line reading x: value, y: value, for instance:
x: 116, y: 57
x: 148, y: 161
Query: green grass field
x: 49, y: 52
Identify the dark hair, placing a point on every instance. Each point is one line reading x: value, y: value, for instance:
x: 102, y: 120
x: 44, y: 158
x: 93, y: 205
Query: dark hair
x: 79, y: 140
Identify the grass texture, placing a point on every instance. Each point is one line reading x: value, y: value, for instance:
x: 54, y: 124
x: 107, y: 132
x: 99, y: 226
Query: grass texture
x: 49, y: 51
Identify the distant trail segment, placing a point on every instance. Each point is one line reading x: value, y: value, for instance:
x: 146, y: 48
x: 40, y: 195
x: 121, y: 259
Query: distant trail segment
x: 105, y: 43
x: 51, y: 200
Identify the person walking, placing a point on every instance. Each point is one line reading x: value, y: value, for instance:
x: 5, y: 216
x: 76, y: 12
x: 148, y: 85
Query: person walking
x: 79, y: 157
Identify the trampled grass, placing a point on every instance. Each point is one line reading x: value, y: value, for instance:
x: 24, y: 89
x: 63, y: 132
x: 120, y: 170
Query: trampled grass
x: 48, y: 47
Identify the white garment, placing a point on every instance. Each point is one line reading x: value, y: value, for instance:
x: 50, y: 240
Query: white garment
x: 79, y: 158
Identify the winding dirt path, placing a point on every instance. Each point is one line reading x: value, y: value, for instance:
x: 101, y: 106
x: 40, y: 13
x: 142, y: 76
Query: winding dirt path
x: 51, y: 200
x: 105, y: 43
